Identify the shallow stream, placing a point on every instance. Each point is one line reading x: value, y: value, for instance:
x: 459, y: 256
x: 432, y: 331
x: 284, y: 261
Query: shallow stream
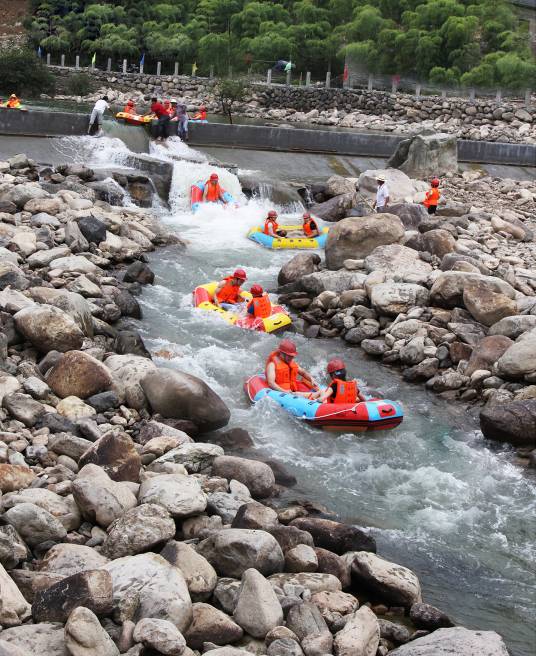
x: 438, y: 498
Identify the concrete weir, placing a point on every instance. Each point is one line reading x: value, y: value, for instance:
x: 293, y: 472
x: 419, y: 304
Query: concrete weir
x: 282, y: 139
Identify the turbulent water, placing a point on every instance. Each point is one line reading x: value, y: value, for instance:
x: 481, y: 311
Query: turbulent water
x: 437, y: 497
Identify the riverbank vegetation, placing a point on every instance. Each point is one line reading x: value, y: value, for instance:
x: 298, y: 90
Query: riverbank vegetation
x: 475, y: 42
x: 23, y: 73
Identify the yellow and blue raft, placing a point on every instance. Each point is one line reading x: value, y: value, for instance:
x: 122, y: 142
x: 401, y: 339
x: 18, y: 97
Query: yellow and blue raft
x: 257, y: 235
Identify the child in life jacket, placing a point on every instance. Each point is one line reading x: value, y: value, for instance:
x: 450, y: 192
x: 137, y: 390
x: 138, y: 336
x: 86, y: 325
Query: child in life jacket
x: 201, y: 115
x: 130, y: 107
x: 340, y: 390
x: 271, y: 227
x: 310, y: 229
x: 431, y: 199
x: 284, y: 374
x: 228, y: 294
x: 259, y: 306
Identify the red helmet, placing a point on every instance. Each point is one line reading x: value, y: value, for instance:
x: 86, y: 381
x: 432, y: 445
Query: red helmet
x: 287, y: 347
x: 214, y: 176
x: 306, y: 215
x: 240, y: 274
x: 256, y: 290
x: 335, y: 365
x: 272, y: 214
x: 435, y: 182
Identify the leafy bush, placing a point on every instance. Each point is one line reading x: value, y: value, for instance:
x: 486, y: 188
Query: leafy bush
x: 79, y: 84
x: 230, y: 92
x: 23, y: 73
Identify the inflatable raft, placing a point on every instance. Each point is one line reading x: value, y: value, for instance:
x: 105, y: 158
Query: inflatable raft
x: 196, y: 196
x: 203, y: 298
x: 257, y: 235
x: 134, y: 119
x: 373, y: 414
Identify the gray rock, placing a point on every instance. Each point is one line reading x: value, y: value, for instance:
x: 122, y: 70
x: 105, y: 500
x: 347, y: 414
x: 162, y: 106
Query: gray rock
x: 335, y: 208
x: 456, y: 640
x: 84, y: 636
x: 257, y: 609
x: 256, y: 516
x: 180, y: 495
x: 68, y: 559
x: 306, y: 621
x: 395, y: 259
x: 391, y: 298
x: 429, y: 618
x: 514, y: 326
x: 284, y: 647
x: 63, y: 508
x: 32, y: 639
x: 195, y: 456
x: 300, y: 265
x: 160, y: 635
x: 75, y: 239
x: 513, y: 422
x: 519, y: 359
x: 49, y: 328
x: 331, y: 281
x: 14, y: 609
x: 23, y: 408
x: 301, y: 558
x: 12, y: 547
x: 313, y: 581
x: 139, y: 529
x: 255, y: 475
x: 200, y: 576
x: 360, y: 635
x: 34, y: 524
x: 211, y: 625
x: 231, y: 552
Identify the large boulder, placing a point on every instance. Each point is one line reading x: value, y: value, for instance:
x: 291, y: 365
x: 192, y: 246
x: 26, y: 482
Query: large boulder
x: 128, y: 371
x: 485, y: 305
x: 180, y: 395
x: 42, y: 639
x: 336, y: 185
x: 49, y: 328
x: 35, y: 524
x: 335, y: 208
x: 513, y: 422
x: 78, y: 374
x: 14, y: 608
x: 68, y: 559
x: 84, y: 635
x: 255, y: 475
x: 21, y: 194
x: 332, y: 281
x: 438, y: 242
x: 360, y: 635
x: 447, y: 290
x: 335, y: 536
x: 400, y: 261
x: 392, y: 298
x: 401, y: 187
x: 520, y: 358
x: 457, y: 640
x: 514, y: 326
x: 180, y: 495
x: 160, y: 587
x: 116, y: 454
x: 487, y: 352
x: 74, y: 304
x: 357, y: 237
x: 426, y: 155
x: 300, y: 265
x: 411, y: 214
x: 257, y: 609
x: 63, y: 508
x: 391, y: 583
x: 200, y: 576
x: 232, y: 551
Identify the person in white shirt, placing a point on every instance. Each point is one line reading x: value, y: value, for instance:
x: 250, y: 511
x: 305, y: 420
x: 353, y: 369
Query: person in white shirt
x: 382, y: 195
x: 96, y: 115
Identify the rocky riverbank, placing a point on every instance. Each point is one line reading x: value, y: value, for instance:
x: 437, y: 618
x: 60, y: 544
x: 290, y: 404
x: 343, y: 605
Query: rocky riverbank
x: 122, y: 531
x: 450, y: 298
x: 398, y: 113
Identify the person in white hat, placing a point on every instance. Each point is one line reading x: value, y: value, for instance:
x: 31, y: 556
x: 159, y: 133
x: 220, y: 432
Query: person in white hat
x: 382, y: 195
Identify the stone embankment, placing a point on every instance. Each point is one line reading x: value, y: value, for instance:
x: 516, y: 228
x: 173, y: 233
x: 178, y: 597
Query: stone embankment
x: 123, y: 531
x: 450, y: 298
x: 482, y: 119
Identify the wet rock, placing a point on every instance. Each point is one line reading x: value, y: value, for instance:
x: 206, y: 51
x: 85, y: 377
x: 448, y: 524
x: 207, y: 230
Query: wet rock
x: 235, y: 438
x: 14, y: 609
x: 161, y: 588
x: 513, y: 422
x: 69, y: 559
x: 49, y: 328
x: 100, y: 499
x: 257, y: 609
x: 31, y: 639
x: 180, y: 495
x: 425, y: 616
x: 456, y: 640
x: 84, y: 636
x: 391, y: 583
x: 358, y: 237
x: 335, y: 536
x: 231, y: 552
x: 255, y: 516
x: 200, y: 576
x: 211, y: 625
x: 91, y: 589
x: 116, y: 454
x: 139, y: 272
x: 519, y: 359
x: 94, y: 230
x: 487, y: 352
x: 160, y: 635
x: 139, y: 529
x: 255, y: 475
x: 300, y: 265
x: 78, y: 374
x: 21, y: 194
x: 130, y: 341
x: 104, y: 401
x: 360, y: 635
x: 34, y: 524
x: 15, y: 477
x: 183, y: 396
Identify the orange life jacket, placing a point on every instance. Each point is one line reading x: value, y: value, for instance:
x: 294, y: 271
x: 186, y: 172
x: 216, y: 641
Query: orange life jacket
x: 200, y: 116
x: 214, y: 191
x: 432, y: 197
x: 171, y: 111
x: 13, y: 103
x: 273, y: 223
x: 286, y: 375
x: 129, y: 109
x: 229, y: 293
x: 345, y: 391
x: 308, y: 227
x: 262, y: 307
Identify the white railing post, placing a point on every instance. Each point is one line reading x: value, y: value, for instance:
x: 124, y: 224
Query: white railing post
x: 176, y: 69
x: 287, y: 80
x: 124, y: 65
x: 77, y: 61
x: 328, y: 79
x: 418, y: 90
x: 269, y: 76
x: 62, y: 61
x: 308, y: 79
x: 159, y: 68
x: 109, y: 64
x: 48, y: 59
x: 498, y: 96
x: 370, y: 83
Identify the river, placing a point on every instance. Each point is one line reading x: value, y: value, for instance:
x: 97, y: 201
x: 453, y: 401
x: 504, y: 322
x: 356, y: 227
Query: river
x: 437, y: 497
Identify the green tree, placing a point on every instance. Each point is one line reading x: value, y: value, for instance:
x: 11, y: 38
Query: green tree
x: 23, y: 73
x: 214, y: 50
x: 229, y: 93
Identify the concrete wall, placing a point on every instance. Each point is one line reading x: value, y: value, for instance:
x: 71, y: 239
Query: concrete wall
x: 42, y: 124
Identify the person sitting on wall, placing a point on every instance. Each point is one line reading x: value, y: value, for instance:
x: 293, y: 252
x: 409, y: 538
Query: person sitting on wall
x: 13, y: 102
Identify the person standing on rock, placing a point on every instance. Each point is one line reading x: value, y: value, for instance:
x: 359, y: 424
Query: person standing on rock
x: 431, y: 200
x: 96, y: 115
x: 382, y: 195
